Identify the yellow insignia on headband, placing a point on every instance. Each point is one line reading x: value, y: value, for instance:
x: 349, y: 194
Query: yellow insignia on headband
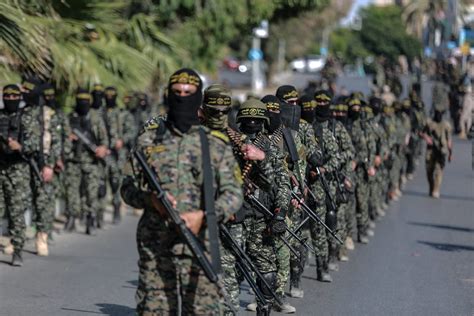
x: 185, y: 78
x: 11, y: 91
x: 98, y: 87
x: 290, y: 95
x: 110, y: 92
x: 220, y: 135
x: 309, y: 105
x: 29, y: 85
x: 83, y: 96
x: 155, y: 149
x: 273, y: 106
x: 323, y: 97
x: 354, y: 102
x: 222, y: 100
x: 48, y: 92
x: 253, y: 112
x: 367, y: 109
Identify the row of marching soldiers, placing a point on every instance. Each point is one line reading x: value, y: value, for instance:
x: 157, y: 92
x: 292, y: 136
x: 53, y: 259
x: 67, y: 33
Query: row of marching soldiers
x: 316, y: 172
x: 47, y: 155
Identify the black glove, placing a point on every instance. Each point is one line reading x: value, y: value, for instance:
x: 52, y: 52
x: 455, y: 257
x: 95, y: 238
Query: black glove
x: 316, y: 159
x: 331, y: 220
x: 277, y: 224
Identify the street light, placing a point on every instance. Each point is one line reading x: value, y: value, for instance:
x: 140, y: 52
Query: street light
x: 256, y: 55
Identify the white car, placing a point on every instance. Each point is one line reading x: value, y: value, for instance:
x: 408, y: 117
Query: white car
x: 311, y: 63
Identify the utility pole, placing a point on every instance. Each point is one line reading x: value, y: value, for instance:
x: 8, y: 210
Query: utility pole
x: 256, y: 56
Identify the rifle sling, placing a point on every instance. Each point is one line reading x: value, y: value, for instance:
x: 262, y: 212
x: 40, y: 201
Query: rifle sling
x: 209, y: 208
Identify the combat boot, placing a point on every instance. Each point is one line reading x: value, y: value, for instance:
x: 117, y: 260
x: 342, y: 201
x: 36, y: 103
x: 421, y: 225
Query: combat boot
x: 89, y: 223
x: 8, y: 249
x: 349, y: 243
x: 295, y: 290
x: 363, y: 239
x: 285, y: 307
x: 252, y: 307
x: 42, y: 244
x: 322, y: 273
x: 332, y: 264
x: 343, y: 257
x: 117, y: 216
x: 70, y: 225
x: 17, y: 260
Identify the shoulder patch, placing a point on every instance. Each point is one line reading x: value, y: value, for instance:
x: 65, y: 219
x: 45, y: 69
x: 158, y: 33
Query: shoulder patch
x: 155, y: 149
x: 220, y: 135
x: 152, y: 123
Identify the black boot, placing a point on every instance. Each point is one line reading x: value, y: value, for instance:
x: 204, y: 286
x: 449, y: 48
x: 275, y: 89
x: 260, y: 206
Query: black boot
x: 70, y: 225
x: 117, y: 216
x: 17, y: 260
x: 89, y: 223
x: 333, y: 252
x: 322, y: 270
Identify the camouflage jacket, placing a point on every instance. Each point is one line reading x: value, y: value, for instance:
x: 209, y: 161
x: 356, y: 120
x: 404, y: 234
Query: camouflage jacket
x: 21, y: 126
x: 129, y: 128
x: 440, y: 133
x: 364, y: 148
x: 328, y: 145
x: 346, y: 149
x: 93, y: 126
x: 113, y: 123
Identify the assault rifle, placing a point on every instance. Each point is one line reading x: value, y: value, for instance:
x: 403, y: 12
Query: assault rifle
x: 90, y: 145
x: 246, y: 267
x: 189, y: 238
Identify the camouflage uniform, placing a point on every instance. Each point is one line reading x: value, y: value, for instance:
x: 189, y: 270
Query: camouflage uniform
x: 165, y: 262
x: 43, y: 192
x: 345, y: 210
x: 83, y: 169
x: 364, y: 159
x: 14, y: 170
x: 436, y: 154
x: 329, y: 148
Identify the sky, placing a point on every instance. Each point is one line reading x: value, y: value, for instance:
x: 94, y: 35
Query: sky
x: 355, y: 7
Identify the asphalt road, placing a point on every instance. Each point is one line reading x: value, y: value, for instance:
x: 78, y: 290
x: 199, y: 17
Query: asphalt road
x: 420, y: 262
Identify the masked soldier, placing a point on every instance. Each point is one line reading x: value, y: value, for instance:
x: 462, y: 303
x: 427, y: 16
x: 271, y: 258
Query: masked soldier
x: 46, y: 158
x: 83, y: 162
x: 19, y: 140
x: 437, y: 134
x: 170, y: 278
x: 363, y: 165
x: 113, y: 122
x: 344, y: 181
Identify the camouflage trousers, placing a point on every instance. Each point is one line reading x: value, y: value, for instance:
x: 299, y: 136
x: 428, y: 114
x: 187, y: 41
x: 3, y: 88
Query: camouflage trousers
x: 395, y: 173
x: 170, y: 284
x: 82, y: 187
x: 43, y: 204
x: 362, y: 201
x: 283, y: 261
x: 318, y: 233
x: 297, y: 263
x: 434, y: 171
x: 230, y: 273
x: 15, y: 194
x: 261, y: 246
x: 349, y: 210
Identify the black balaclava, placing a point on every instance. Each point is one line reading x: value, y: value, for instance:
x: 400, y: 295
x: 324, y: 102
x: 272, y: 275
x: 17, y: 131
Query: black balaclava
x: 273, y: 112
x: 183, y: 111
x: 250, y: 126
x: 97, y: 96
x: 323, y: 105
x: 290, y: 115
x: 232, y: 115
x: 376, y: 105
x: 340, y: 106
x: 11, y: 106
x: 438, y: 116
x: 110, y: 97
x: 32, y: 91
x: 49, y: 96
x: 307, y: 104
x: 83, y: 102
x: 143, y: 101
x: 352, y: 113
x: 286, y: 92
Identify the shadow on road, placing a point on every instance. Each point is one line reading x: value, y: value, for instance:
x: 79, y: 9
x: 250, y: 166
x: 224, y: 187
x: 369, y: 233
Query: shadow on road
x: 443, y: 196
x: 116, y: 310
x: 447, y: 247
x: 447, y: 227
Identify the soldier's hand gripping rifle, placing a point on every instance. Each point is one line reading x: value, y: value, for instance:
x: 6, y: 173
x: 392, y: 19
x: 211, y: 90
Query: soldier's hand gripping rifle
x: 312, y: 215
x: 189, y: 238
x: 90, y: 145
x: 246, y: 266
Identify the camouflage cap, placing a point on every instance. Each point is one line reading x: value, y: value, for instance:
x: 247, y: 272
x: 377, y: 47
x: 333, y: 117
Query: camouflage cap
x: 217, y: 96
x: 253, y: 109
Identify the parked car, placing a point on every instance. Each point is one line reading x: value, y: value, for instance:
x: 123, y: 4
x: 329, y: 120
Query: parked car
x: 310, y: 63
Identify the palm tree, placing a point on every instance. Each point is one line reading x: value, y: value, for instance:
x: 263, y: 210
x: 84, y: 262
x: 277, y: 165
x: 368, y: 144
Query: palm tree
x: 76, y: 43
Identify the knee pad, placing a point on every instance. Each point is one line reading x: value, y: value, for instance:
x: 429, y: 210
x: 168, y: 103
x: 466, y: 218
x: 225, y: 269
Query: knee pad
x: 270, y: 278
